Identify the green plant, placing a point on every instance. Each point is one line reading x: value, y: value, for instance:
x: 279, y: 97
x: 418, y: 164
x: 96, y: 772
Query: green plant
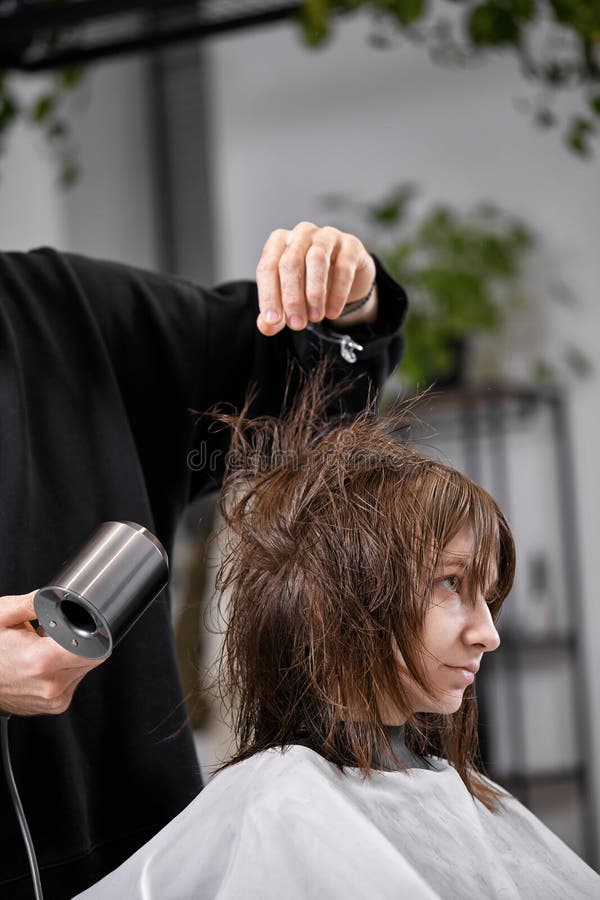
x: 47, y: 111
x: 556, y: 44
x: 464, y: 273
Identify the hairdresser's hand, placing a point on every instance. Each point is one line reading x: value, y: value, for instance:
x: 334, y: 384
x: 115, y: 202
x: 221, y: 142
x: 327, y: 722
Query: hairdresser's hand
x: 311, y: 273
x: 37, y: 676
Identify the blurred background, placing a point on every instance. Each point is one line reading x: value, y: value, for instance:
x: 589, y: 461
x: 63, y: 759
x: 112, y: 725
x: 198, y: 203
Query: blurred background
x: 466, y: 155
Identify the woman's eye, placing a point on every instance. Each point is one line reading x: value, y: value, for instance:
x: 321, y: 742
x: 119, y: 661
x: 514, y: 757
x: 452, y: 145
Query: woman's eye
x: 452, y: 583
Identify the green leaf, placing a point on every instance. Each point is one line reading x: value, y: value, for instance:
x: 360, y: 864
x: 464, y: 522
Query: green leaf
x: 313, y: 18
x: 9, y: 111
x: 491, y: 24
x: 43, y: 107
x: 393, y: 208
x: 577, y: 137
x: 69, y: 173
x: 543, y: 371
x: 555, y: 73
x: 579, y: 145
x: 578, y: 362
x: 71, y: 77
x: 523, y: 9
x: 595, y: 104
x: 406, y: 11
x: 583, y: 16
x: 397, y: 260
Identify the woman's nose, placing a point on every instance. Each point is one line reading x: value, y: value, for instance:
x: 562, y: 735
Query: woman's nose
x: 480, y: 627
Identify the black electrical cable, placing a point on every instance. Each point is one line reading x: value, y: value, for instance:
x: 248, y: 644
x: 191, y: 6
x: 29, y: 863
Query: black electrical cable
x: 14, y: 793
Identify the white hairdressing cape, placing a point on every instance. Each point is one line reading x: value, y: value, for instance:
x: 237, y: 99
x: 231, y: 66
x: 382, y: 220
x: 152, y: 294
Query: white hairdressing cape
x: 290, y: 826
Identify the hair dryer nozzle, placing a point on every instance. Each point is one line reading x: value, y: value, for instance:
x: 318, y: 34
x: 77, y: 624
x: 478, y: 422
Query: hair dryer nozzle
x: 97, y: 596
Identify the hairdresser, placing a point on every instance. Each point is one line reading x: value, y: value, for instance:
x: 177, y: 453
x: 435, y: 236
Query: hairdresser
x: 102, y: 366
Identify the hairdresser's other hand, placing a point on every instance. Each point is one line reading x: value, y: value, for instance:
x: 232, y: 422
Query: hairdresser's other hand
x: 37, y: 677
x: 310, y: 273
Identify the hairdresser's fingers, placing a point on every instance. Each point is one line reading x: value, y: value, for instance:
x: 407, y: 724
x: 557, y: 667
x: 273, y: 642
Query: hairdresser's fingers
x: 37, y: 676
x: 281, y: 279
x: 270, y: 319
x: 51, y: 658
x: 352, y: 274
x: 292, y: 275
x: 320, y: 257
x: 15, y: 609
x: 310, y: 272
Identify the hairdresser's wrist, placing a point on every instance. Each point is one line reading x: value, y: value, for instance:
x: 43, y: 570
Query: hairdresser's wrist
x: 364, y: 314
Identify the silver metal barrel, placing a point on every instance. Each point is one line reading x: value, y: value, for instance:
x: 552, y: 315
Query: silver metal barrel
x: 97, y: 596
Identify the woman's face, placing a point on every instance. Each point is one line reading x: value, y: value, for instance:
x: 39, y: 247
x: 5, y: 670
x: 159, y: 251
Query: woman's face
x: 458, y: 630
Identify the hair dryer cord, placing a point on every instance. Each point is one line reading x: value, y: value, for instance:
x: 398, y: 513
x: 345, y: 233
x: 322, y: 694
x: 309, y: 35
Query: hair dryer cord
x: 14, y: 793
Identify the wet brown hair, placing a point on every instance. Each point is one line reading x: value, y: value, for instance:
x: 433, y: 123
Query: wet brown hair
x: 334, y: 531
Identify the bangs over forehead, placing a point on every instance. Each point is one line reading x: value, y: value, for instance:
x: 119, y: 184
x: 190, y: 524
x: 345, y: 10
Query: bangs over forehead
x: 450, y: 501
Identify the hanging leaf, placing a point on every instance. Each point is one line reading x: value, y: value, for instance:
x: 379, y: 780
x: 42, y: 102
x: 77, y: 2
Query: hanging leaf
x: 69, y: 173
x: 543, y: 371
x: 492, y: 24
x: 578, y: 362
x: 406, y: 11
x: 9, y: 110
x: 578, y: 135
x: 313, y: 18
x: 489, y: 25
x: 595, y: 104
x: 581, y: 15
x: 43, y: 107
x: 71, y: 77
x: 555, y: 73
x: 523, y: 9
x: 393, y: 209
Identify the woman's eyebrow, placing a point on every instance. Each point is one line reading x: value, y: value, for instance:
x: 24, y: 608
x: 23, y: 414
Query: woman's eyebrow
x: 457, y: 562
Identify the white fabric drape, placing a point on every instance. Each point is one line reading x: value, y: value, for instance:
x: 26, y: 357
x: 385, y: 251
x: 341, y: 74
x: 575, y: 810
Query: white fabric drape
x: 290, y: 826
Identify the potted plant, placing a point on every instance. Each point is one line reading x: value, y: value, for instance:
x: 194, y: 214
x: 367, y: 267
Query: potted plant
x: 464, y: 273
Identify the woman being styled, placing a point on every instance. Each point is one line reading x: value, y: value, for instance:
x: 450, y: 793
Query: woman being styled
x: 363, y: 581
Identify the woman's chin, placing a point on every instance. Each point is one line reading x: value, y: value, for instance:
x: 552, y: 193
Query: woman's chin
x: 453, y: 702
x: 447, y: 704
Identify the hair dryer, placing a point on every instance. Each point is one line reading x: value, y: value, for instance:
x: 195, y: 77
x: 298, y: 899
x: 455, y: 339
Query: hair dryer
x: 96, y: 597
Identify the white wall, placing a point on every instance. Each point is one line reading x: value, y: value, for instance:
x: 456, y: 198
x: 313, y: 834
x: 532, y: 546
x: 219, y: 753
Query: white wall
x: 31, y: 211
x: 110, y: 212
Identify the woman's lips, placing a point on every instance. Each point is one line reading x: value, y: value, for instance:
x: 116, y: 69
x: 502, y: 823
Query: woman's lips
x: 467, y: 674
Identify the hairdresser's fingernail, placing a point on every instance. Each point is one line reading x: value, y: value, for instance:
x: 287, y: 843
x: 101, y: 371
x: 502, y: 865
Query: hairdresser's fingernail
x: 297, y: 322
x: 271, y: 316
x: 314, y: 314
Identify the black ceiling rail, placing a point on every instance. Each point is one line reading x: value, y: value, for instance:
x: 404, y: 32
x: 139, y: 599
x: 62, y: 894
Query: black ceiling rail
x: 34, y: 15
x: 24, y: 44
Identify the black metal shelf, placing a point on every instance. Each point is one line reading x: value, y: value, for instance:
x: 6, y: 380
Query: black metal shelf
x: 515, y: 780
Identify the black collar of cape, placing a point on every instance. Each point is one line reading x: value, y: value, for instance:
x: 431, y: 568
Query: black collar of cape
x: 395, y: 734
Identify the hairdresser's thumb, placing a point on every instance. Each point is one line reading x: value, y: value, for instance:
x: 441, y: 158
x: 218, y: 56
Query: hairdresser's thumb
x: 15, y: 609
